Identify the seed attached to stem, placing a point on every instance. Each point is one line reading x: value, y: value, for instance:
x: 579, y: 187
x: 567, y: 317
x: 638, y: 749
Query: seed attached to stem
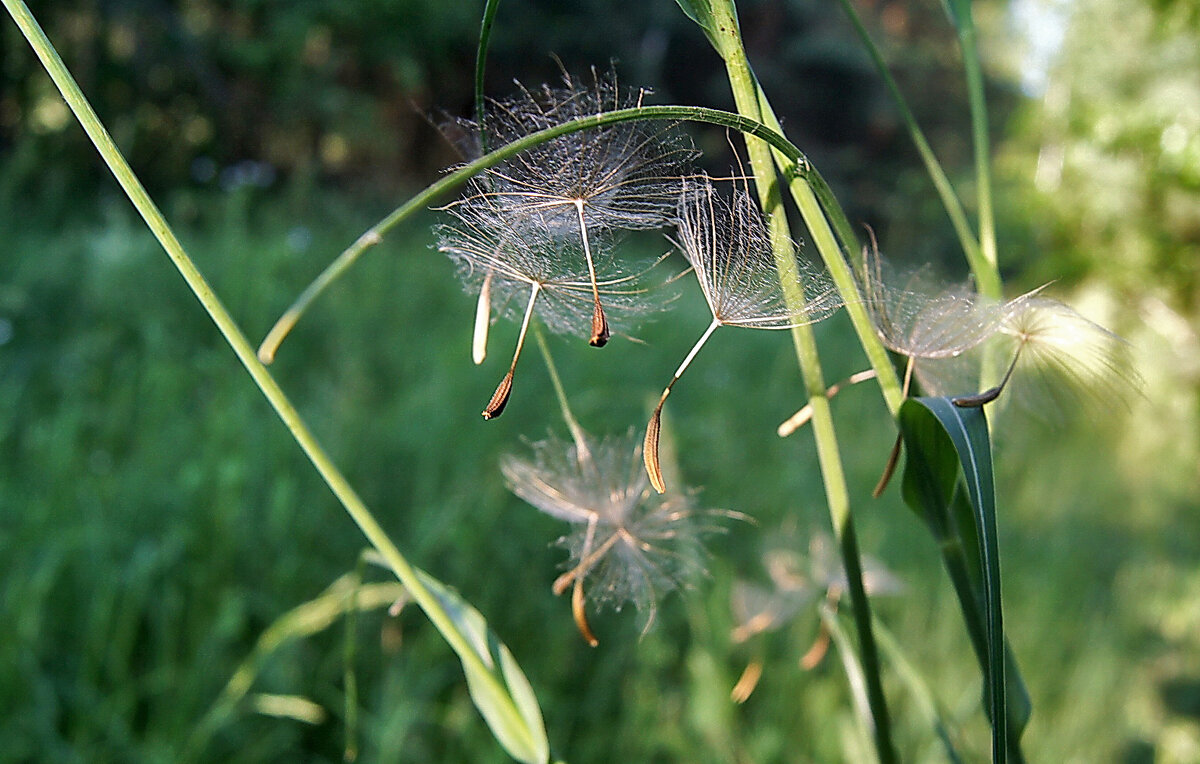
x: 499, y: 399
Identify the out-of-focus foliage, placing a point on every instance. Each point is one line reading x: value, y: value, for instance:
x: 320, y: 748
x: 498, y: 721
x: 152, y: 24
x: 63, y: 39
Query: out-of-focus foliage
x: 1116, y: 145
x: 241, y: 92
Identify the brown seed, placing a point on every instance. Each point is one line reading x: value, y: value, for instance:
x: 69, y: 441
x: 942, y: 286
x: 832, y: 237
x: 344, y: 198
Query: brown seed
x: 499, y: 399
x: 599, y: 326
x: 578, y: 610
x: 650, y: 449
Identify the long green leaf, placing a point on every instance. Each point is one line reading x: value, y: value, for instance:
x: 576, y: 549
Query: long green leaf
x: 498, y: 687
x: 948, y: 482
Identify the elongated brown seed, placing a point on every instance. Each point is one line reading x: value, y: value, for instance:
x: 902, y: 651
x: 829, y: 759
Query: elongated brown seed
x: 650, y: 448
x: 499, y: 399
x: 579, y: 611
x: 599, y: 326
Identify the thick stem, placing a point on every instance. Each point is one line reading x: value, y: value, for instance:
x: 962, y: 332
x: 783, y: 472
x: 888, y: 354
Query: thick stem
x: 746, y: 95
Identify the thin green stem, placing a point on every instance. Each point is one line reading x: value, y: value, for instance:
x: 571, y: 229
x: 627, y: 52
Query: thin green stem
x: 985, y: 272
x: 409, y: 576
x: 818, y: 207
x: 965, y: 24
x: 560, y: 393
x: 747, y: 95
x: 485, y: 35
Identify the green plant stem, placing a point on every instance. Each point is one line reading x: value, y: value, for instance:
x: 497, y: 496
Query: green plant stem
x: 362, y: 517
x: 485, y: 35
x: 746, y: 95
x: 965, y: 24
x: 815, y: 200
x: 986, y: 276
x: 560, y: 393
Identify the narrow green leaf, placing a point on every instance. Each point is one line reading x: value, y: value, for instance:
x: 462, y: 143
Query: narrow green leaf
x: 701, y: 12
x: 497, y: 685
x: 948, y: 481
x: 485, y: 36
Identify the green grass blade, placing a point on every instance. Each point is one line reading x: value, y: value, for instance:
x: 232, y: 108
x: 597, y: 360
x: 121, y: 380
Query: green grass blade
x: 485, y: 36
x: 345, y: 596
x: 944, y: 442
x: 985, y: 273
x: 498, y: 687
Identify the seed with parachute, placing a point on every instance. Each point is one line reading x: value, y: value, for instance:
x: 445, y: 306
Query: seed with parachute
x: 727, y: 244
x: 584, y: 184
x: 629, y: 544
x: 525, y: 270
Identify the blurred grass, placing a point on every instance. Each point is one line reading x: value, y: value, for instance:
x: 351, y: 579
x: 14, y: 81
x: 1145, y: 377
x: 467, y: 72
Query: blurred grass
x: 155, y: 518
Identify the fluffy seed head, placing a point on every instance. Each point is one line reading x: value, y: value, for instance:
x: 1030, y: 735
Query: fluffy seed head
x: 727, y: 244
x: 625, y: 176
x: 629, y: 543
x: 513, y: 252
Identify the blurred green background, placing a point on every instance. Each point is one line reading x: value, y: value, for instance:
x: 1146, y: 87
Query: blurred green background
x: 155, y: 517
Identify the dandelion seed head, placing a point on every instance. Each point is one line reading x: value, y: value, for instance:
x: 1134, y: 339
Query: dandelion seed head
x: 917, y: 318
x: 797, y: 579
x: 624, y: 176
x: 515, y: 251
x: 727, y: 244
x: 1065, y: 363
x: 629, y: 543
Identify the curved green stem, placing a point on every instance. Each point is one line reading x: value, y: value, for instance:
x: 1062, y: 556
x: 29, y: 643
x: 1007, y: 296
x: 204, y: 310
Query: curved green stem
x: 408, y: 575
x: 374, y: 235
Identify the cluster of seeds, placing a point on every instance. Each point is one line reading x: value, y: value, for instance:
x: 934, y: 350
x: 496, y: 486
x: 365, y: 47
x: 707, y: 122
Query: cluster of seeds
x: 535, y: 238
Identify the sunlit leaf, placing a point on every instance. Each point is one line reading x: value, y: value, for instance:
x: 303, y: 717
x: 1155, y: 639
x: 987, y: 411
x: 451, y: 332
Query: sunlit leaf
x: 500, y: 690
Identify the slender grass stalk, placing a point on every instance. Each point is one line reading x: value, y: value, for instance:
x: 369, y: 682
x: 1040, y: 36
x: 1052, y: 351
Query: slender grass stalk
x: 986, y: 276
x: 747, y: 96
x: 561, y: 394
x: 815, y: 200
x: 408, y: 575
x: 964, y: 24
x: 485, y: 36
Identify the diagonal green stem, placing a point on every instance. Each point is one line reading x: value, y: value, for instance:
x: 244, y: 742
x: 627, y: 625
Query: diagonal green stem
x: 818, y: 207
x: 408, y: 575
x: 747, y: 96
x: 984, y: 270
x: 960, y: 11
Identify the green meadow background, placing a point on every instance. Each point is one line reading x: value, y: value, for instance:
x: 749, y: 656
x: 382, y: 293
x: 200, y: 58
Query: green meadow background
x: 156, y: 518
